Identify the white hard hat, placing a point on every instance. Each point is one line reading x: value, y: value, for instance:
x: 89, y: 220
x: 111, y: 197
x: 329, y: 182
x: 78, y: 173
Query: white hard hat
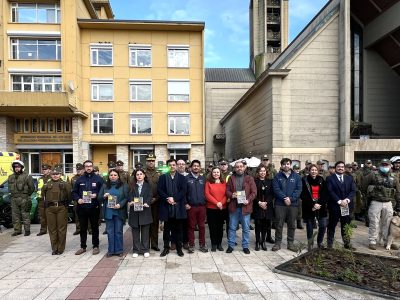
x: 18, y: 162
x: 395, y: 158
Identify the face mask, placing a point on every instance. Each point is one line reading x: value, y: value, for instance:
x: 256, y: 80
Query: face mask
x: 384, y: 169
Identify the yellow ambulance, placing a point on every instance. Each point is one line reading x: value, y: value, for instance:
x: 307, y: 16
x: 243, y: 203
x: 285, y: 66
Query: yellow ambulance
x: 6, y: 158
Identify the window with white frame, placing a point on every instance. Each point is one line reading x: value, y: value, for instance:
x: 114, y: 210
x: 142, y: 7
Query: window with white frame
x: 141, y: 123
x: 178, y: 56
x: 36, y: 83
x: 102, y: 90
x: 35, y: 49
x: 140, y: 90
x: 178, y: 124
x: 101, y: 55
x: 102, y: 123
x: 140, y: 55
x: 35, y: 13
x: 178, y: 90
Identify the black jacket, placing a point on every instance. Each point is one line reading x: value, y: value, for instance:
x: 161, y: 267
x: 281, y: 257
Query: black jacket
x: 87, y: 182
x: 308, y: 201
x: 265, y: 193
x: 179, y: 197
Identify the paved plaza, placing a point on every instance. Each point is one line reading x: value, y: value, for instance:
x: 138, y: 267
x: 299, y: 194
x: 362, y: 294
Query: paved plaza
x: 29, y: 271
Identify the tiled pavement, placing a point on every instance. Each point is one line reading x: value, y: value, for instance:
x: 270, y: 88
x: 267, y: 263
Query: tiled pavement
x: 29, y: 271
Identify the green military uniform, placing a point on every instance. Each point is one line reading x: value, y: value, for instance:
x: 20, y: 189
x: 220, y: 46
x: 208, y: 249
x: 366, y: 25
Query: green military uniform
x: 42, y: 213
x: 306, y: 170
x: 153, y: 175
x: 79, y: 167
x: 123, y: 175
x: 57, y: 195
x: 21, y: 187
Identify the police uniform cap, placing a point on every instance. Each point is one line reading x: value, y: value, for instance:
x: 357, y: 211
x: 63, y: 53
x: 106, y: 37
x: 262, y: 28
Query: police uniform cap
x: 139, y: 165
x: 308, y: 162
x: 368, y: 161
x: 120, y: 163
x: 56, y: 170
x: 348, y: 165
x: 264, y: 157
x: 222, y: 162
x: 354, y: 163
x: 385, y: 161
x: 188, y: 162
x: 46, y: 167
x: 111, y: 164
x: 79, y: 166
x: 296, y: 167
x: 59, y: 166
x: 244, y: 162
x: 150, y: 156
x: 210, y: 165
x: 320, y: 162
x: 95, y: 168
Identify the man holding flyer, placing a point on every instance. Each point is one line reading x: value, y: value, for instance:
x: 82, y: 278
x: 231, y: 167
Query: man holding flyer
x: 85, y: 193
x: 240, y: 191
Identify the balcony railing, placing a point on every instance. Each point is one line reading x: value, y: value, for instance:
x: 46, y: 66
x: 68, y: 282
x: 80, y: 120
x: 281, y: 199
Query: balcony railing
x: 273, y: 35
x: 274, y: 3
x: 273, y: 18
x: 273, y: 49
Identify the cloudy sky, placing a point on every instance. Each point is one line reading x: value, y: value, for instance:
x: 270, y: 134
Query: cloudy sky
x: 227, y: 22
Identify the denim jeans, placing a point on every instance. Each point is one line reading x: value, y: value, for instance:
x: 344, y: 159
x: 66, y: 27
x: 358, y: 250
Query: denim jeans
x: 114, y: 229
x: 322, y: 224
x: 234, y: 219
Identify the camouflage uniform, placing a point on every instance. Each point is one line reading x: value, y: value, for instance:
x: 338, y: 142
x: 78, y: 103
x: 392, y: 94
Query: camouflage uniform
x: 383, y: 191
x: 57, y: 195
x: 42, y: 213
x: 21, y: 188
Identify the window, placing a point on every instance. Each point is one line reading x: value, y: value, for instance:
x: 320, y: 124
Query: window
x: 179, y: 154
x: 43, y: 125
x: 35, y: 49
x: 179, y: 124
x: 178, y: 90
x: 35, y: 13
x: 50, y: 125
x: 68, y: 162
x: 102, y: 90
x: 102, y: 123
x: 139, y: 155
x: 36, y: 83
x: 67, y: 125
x: 35, y: 125
x: 101, y: 55
x: 59, y: 125
x: 27, y: 127
x: 140, y: 56
x: 18, y: 125
x: 178, y: 56
x: 141, y: 123
x: 140, y: 90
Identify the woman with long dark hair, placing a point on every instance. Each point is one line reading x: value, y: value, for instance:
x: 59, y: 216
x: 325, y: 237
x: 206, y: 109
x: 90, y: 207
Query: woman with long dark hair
x: 314, y: 197
x: 215, y: 192
x: 263, y: 208
x: 140, y: 216
x: 114, y: 194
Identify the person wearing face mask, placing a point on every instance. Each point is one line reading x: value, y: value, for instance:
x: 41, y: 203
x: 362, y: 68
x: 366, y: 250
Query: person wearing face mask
x: 383, y: 190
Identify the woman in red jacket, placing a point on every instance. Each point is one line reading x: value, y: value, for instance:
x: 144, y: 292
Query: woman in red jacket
x: 215, y: 190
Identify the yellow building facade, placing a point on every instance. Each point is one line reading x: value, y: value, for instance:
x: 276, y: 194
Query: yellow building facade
x: 77, y: 84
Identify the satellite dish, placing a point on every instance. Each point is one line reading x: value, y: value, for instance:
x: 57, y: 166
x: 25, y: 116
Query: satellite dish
x: 71, y: 85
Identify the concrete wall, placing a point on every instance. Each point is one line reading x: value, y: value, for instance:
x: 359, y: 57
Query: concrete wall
x: 220, y: 98
x: 381, y: 95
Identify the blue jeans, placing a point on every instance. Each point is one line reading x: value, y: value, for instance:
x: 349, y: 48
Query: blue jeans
x: 234, y: 219
x: 114, y: 229
x: 322, y: 224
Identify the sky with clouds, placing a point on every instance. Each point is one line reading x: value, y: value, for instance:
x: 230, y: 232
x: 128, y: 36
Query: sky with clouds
x: 227, y: 23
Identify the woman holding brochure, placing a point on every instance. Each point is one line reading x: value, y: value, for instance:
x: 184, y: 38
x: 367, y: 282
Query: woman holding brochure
x: 140, y: 213
x: 114, y: 194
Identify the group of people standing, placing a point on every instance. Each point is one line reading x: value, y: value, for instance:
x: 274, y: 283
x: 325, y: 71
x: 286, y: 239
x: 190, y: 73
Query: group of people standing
x: 185, y: 200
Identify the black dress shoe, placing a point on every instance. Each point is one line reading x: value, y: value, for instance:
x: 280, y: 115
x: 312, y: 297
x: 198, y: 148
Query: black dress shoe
x: 220, y: 248
x: 257, y: 248
x: 179, y: 252
x: 270, y: 240
x: 41, y: 233
x: 229, y: 250
x: 155, y: 248
x: 164, y: 252
x: 54, y: 253
x: 263, y: 246
x: 213, y: 248
x: 246, y: 250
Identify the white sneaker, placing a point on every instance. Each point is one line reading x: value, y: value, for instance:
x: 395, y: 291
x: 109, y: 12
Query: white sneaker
x: 147, y: 254
x: 134, y: 255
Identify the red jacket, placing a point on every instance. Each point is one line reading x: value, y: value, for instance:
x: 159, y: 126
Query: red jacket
x: 215, y: 192
x: 249, y: 187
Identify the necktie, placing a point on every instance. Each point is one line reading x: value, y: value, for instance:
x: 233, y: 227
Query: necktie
x: 341, y: 179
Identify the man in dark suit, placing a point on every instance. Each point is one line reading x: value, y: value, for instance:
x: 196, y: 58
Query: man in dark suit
x: 342, y: 190
x: 171, y: 190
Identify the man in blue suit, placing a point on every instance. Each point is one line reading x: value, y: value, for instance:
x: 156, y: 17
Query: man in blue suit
x: 341, y: 190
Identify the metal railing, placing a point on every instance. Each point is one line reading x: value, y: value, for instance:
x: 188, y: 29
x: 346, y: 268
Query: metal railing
x: 273, y: 49
x: 273, y: 18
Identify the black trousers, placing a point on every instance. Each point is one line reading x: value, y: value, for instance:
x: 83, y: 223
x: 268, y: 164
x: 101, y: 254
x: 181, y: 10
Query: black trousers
x: 85, y: 216
x: 333, y: 220
x: 215, y: 219
x: 262, y: 228
x: 173, y: 232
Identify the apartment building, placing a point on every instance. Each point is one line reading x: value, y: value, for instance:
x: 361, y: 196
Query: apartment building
x: 77, y: 84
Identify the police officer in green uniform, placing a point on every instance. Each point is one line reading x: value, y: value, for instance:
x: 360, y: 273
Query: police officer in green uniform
x: 383, y: 189
x: 321, y: 171
x: 79, y: 172
x: 270, y: 167
x: 153, y: 175
x: 46, y: 169
x: 57, y: 196
x: 306, y: 170
x: 21, y: 187
x: 123, y: 175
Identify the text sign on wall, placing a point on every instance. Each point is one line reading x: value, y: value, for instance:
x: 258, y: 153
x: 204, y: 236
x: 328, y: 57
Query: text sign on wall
x: 43, y: 138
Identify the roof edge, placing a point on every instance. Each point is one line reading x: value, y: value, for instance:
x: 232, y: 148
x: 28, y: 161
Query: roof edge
x: 90, y: 8
x: 107, y: 7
